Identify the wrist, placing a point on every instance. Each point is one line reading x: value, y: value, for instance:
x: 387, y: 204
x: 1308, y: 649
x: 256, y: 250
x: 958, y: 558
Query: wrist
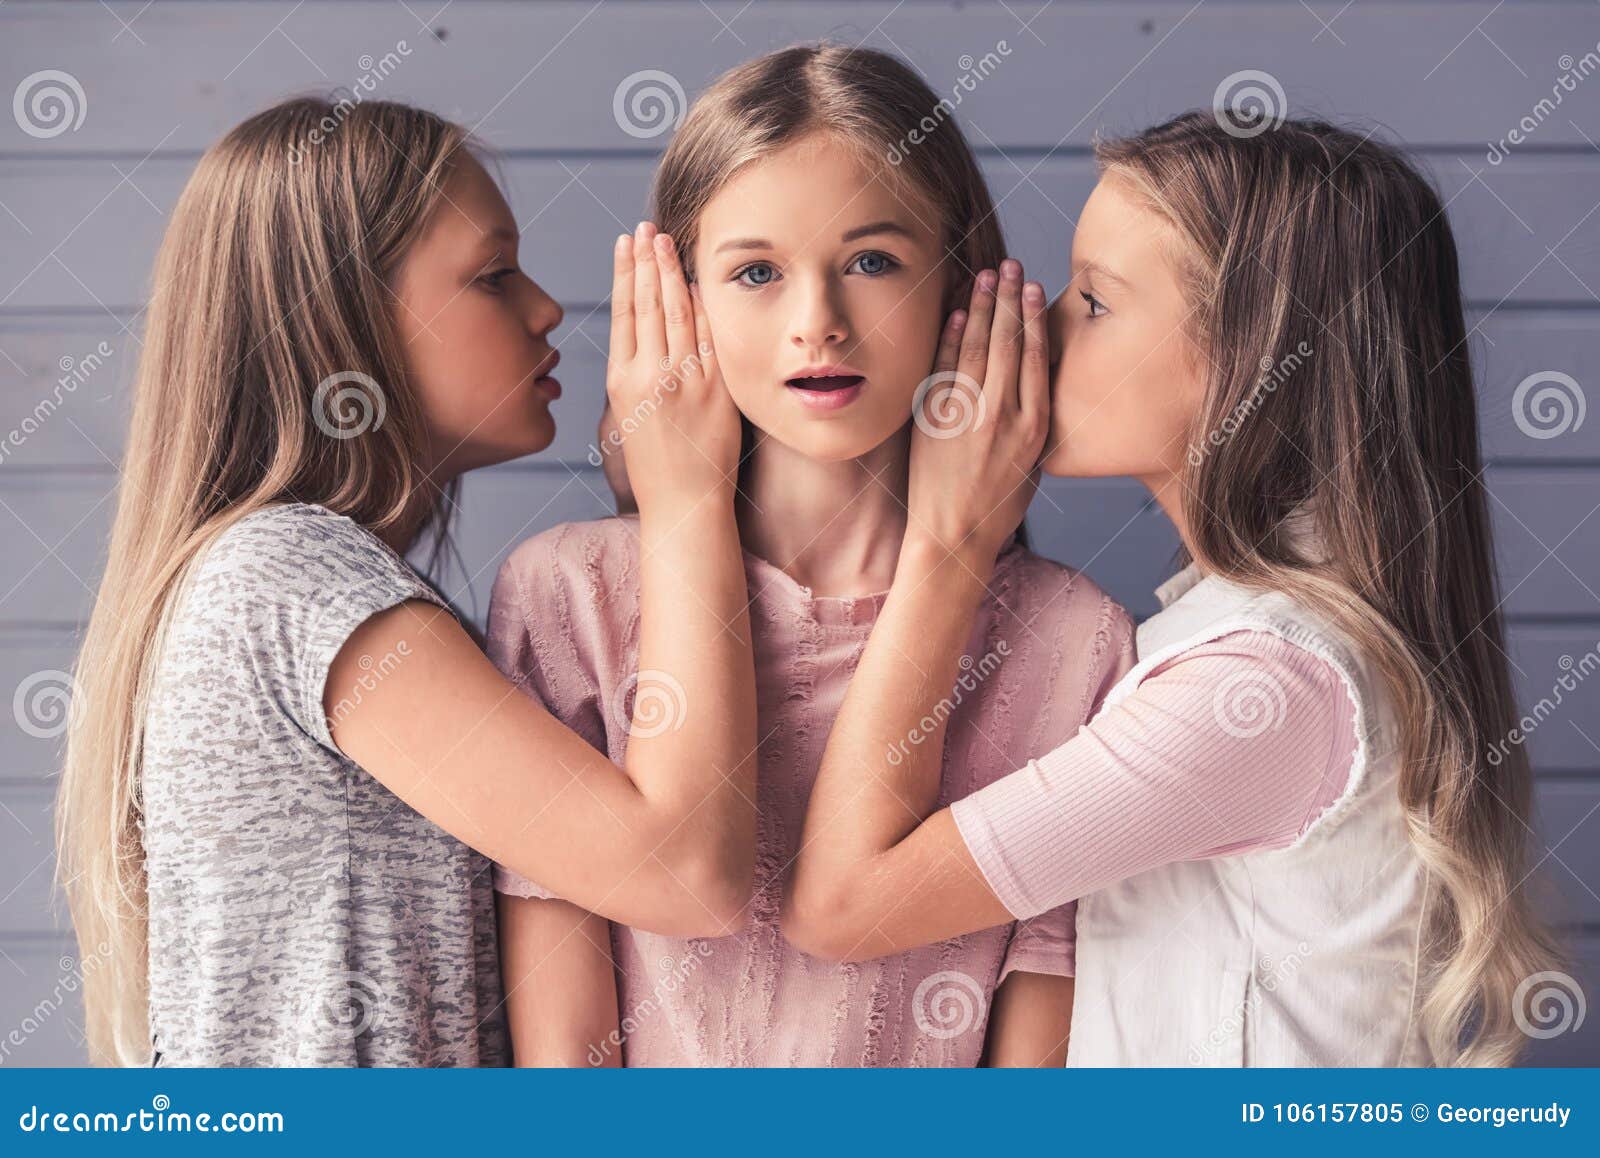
x: 685, y: 513
x: 925, y: 554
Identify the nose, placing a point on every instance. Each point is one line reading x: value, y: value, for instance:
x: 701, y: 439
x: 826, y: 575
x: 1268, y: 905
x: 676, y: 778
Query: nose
x: 818, y: 321
x: 542, y: 312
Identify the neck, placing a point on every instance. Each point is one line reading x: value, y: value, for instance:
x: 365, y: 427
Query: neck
x: 401, y: 535
x: 834, y: 527
x: 1168, y: 493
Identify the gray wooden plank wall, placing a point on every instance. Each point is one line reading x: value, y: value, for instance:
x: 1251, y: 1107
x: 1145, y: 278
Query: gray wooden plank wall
x: 82, y: 211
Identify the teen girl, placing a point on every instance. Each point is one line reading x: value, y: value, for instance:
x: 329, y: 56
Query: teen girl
x: 290, y: 760
x: 825, y: 274
x: 1287, y: 842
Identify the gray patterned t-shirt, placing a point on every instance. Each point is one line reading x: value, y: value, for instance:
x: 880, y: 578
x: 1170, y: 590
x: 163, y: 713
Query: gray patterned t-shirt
x: 300, y: 912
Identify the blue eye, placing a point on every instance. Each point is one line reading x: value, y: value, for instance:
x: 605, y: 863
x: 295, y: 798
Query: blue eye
x: 757, y: 273
x: 1097, y: 308
x: 875, y: 264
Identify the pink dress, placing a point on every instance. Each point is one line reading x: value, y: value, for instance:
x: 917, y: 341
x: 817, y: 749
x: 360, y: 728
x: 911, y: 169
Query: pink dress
x: 1048, y: 644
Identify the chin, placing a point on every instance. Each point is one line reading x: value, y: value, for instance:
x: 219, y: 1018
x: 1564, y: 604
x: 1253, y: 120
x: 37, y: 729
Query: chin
x: 535, y: 437
x: 829, y: 441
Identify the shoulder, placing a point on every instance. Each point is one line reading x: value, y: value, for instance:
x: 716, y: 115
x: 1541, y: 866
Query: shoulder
x: 293, y: 547
x: 1260, y: 677
x: 1051, y: 598
x: 599, y: 558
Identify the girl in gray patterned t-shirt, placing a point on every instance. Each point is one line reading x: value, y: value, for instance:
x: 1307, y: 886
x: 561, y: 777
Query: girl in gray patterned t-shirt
x: 290, y: 764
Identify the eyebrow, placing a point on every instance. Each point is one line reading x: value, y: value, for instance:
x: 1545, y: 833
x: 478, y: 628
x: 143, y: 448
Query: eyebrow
x: 1099, y: 270
x: 501, y: 235
x: 875, y: 228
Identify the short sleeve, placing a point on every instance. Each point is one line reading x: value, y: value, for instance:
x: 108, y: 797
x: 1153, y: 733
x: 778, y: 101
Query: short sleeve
x: 295, y: 581
x: 1167, y: 774
x: 547, y: 625
x: 1045, y: 944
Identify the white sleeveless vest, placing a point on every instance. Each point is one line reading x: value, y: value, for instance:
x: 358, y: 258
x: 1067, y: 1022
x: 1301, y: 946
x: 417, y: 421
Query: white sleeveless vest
x: 1305, y: 955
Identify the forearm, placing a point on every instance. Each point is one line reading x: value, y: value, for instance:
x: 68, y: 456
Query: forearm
x: 692, y: 741
x: 1030, y: 1021
x: 876, y: 783
x: 560, y: 986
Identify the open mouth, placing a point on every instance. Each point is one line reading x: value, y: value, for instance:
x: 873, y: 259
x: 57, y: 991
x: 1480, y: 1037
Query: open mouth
x: 827, y: 382
x: 826, y: 391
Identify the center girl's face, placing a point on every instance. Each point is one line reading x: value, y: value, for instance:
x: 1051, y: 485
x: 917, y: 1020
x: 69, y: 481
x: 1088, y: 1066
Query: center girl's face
x: 1127, y: 382
x: 824, y: 292
x: 476, y: 331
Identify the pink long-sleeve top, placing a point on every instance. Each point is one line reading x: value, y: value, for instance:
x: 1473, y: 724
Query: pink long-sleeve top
x: 1166, y: 775
x: 1047, y: 645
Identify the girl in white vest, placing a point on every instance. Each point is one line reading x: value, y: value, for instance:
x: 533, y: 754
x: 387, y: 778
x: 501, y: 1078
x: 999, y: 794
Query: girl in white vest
x: 1286, y: 838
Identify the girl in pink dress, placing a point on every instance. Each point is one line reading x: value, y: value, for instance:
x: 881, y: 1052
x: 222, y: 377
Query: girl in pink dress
x: 827, y: 235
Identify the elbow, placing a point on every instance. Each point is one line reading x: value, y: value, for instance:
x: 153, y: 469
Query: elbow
x: 716, y: 892
x: 824, y: 922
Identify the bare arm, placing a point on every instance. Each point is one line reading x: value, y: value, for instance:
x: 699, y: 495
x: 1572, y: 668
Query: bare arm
x: 1030, y: 1022
x: 872, y: 876
x: 667, y: 842
x: 560, y: 984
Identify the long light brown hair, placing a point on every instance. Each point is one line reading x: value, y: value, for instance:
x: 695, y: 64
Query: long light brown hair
x: 868, y: 101
x: 273, y: 276
x: 1307, y: 236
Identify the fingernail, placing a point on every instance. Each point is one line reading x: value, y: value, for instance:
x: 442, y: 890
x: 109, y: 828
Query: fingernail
x: 664, y: 243
x: 1011, y: 269
x: 624, y: 241
x: 958, y: 319
x: 987, y: 280
x: 638, y: 231
x: 1033, y: 293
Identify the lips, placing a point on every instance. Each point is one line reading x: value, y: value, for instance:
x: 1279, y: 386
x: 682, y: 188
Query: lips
x: 827, y: 386
x: 830, y: 391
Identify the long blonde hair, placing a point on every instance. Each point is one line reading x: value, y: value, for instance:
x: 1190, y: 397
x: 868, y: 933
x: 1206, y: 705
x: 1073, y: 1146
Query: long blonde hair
x: 272, y: 279
x: 1302, y: 237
